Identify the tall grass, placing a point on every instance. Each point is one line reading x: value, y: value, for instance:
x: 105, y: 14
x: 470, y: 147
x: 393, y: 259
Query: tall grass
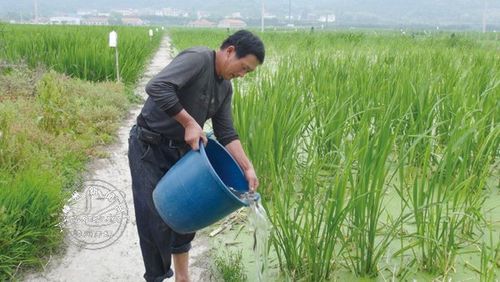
x: 80, y: 51
x: 29, y: 212
x: 49, y: 127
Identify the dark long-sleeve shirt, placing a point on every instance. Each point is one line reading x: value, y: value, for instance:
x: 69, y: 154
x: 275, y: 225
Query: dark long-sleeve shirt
x: 190, y: 82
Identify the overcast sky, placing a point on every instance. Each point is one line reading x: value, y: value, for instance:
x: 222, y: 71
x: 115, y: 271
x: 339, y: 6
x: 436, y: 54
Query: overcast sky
x: 397, y: 11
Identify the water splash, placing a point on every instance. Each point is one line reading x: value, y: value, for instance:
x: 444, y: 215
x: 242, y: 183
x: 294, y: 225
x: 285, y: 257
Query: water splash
x: 257, y: 217
x: 261, y: 227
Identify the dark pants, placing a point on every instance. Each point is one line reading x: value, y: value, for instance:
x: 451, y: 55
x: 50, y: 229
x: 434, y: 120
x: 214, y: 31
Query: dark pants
x: 148, y: 163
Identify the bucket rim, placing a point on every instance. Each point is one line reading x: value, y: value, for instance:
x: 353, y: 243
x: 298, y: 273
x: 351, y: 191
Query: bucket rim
x: 214, y: 173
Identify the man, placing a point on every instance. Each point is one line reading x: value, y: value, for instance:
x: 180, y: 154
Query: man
x: 193, y: 88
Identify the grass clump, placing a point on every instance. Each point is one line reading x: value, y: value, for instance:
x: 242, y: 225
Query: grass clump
x: 229, y: 267
x: 50, y: 125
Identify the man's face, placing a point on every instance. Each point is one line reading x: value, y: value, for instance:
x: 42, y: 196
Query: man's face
x: 238, y: 67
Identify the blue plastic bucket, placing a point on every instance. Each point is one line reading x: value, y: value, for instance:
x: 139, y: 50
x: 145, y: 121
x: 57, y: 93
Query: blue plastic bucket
x: 195, y: 192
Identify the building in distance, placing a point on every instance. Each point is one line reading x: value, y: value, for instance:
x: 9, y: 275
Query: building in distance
x: 232, y: 23
x: 201, y: 23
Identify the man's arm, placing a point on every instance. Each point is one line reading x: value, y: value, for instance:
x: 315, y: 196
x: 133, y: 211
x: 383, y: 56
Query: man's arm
x: 164, y: 86
x: 192, y: 130
x: 227, y: 136
x: 163, y: 90
x: 236, y: 150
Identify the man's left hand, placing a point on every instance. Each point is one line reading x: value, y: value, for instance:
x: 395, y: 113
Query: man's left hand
x: 253, y: 181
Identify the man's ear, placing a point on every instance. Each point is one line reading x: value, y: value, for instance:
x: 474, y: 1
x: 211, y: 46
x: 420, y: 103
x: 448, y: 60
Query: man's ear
x: 230, y: 49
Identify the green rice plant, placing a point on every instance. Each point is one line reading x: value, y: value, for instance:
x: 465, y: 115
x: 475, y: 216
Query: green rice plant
x: 2, y: 37
x: 445, y: 199
x: 329, y: 125
x: 272, y: 139
x: 369, y: 153
x: 334, y: 120
x: 80, y: 51
x: 308, y: 222
x: 305, y: 246
x: 183, y: 38
x: 490, y: 256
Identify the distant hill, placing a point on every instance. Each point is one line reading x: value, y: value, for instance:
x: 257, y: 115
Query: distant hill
x: 391, y: 12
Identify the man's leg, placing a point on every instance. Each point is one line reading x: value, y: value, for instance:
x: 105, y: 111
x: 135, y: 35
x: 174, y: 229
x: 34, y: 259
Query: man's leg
x: 181, y: 266
x: 180, y: 252
x: 155, y: 236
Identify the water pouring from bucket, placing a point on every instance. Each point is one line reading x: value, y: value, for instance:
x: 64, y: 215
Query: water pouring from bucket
x: 261, y: 228
x: 201, y: 188
x: 257, y: 217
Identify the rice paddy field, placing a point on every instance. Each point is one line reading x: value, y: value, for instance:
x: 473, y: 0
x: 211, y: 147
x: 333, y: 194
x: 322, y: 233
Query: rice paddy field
x: 377, y: 152
x: 79, y: 51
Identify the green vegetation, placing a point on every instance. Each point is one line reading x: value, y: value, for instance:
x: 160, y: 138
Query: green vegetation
x: 490, y: 259
x: 80, y: 51
x: 228, y: 267
x: 49, y: 127
x: 376, y: 151
x: 52, y: 123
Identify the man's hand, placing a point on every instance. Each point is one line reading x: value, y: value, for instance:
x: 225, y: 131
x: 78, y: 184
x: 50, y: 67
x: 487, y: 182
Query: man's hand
x: 253, y: 181
x: 236, y: 150
x: 193, y: 134
x: 192, y: 130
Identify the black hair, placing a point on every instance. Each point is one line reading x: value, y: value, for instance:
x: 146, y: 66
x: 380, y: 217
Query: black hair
x: 245, y: 43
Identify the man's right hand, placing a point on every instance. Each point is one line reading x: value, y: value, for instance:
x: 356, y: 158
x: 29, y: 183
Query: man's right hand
x: 193, y: 134
x: 192, y: 130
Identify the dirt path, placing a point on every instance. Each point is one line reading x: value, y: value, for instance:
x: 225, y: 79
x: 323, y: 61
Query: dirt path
x: 121, y: 260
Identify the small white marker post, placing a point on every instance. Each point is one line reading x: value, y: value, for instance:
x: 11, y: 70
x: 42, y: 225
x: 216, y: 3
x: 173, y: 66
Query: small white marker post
x: 150, y: 34
x: 113, y: 40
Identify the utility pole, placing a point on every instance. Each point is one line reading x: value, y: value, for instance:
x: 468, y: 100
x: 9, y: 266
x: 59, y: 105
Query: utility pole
x: 36, y: 11
x: 484, y: 15
x: 262, y: 16
x: 289, y: 11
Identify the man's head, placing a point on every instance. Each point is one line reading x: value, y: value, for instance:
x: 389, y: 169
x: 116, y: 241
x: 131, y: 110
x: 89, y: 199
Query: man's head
x: 240, y: 54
